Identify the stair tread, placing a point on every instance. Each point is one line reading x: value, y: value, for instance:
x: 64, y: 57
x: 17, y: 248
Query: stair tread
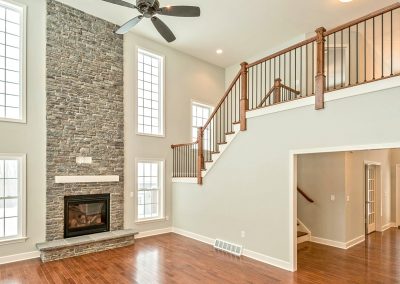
x: 222, y: 143
x: 230, y: 133
x: 301, y: 234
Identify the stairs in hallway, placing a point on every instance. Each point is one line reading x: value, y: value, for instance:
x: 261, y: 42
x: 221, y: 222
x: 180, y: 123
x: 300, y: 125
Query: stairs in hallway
x: 303, y: 234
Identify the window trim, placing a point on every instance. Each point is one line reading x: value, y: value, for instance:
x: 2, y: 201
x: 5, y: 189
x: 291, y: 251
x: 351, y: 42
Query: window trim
x: 23, y: 74
x: 21, y: 198
x: 162, y: 92
x: 192, y: 102
x: 162, y: 216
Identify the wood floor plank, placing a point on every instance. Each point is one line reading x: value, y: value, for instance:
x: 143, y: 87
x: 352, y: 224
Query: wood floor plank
x: 171, y: 258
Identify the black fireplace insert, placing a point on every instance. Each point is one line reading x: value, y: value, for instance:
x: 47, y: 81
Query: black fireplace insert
x: 86, y: 214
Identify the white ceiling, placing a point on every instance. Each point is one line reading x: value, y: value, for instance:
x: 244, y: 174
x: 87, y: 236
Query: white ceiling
x: 241, y: 28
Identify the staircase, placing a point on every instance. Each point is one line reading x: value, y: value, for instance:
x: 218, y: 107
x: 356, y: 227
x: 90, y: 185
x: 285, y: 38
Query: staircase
x: 311, y: 68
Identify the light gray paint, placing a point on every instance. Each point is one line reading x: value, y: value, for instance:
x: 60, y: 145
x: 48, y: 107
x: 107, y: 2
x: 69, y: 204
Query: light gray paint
x: 320, y: 176
x: 187, y: 79
x: 249, y: 187
x: 30, y: 138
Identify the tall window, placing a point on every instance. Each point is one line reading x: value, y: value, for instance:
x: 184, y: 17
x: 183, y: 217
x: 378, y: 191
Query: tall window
x: 150, y: 190
x: 11, y: 63
x: 200, y: 115
x: 150, y: 93
x: 11, y: 197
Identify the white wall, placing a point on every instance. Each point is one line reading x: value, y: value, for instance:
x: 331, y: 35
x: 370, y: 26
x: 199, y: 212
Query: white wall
x: 187, y: 79
x: 320, y: 176
x: 250, y: 187
x: 30, y: 138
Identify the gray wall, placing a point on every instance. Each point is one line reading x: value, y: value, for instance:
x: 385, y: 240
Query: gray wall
x: 249, y: 187
x: 320, y: 176
x: 186, y: 79
x: 84, y: 110
x: 30, y: 138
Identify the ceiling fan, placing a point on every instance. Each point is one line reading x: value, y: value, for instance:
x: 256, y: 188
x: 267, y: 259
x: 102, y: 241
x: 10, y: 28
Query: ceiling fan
x: 149, y: 9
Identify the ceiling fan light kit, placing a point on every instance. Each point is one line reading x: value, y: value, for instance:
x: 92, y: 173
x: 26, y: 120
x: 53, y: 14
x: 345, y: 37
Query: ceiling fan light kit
x: 149, y: 9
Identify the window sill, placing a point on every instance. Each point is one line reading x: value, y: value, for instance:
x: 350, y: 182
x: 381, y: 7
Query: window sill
x: 151, y: 135
x: 13, y: 240
x: 10, y: 120
x: 151, y: 220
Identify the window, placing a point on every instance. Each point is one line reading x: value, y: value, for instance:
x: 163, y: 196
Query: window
x: 150, y: 94
x: 12, y: 97
x: 200, y: 115
x: 150, y: 190
x: 11, y: 197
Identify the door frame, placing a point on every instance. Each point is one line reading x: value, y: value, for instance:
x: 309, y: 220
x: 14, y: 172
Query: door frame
x: 292, y: 244
x: 397, y: 184
x: 378, y: 196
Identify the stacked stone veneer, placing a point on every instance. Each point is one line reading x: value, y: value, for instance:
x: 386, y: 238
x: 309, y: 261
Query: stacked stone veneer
x: 84, y: 110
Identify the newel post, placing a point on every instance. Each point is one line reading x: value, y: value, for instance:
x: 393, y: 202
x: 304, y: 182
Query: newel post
x: 277, y: 91
x: 320, y: 77
x: 244, y: 101
x: 200, y: 156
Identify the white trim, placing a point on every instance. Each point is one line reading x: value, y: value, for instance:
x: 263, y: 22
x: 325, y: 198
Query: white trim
x: 379, y: 200
x: 328, y: 242
x: 184, y: 180
x: 22, y: 8
x: 13, y: 240
x: 21, y: 157
x: 162, y: 99
x: 388, y: 226
x: 329, y: 97
x: 151, y: 233
x: 248, y: 253
x: 85, y: 179
x: 355, y: 241
x: 161, y: 177
x: 19, y: 257
x: 302, y: 239
x: 194, y: 236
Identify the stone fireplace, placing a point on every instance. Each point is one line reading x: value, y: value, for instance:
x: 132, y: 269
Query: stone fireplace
x: 86, y: 214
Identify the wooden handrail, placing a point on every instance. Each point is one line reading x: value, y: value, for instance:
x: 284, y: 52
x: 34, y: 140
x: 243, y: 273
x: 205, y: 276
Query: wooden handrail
x: 266, y: 97
x: 182, y: 145
x: 222, y: 100
x: 305, y: 195
x: 286, y: 50
x: 290, y: 89
x: 362, y: 19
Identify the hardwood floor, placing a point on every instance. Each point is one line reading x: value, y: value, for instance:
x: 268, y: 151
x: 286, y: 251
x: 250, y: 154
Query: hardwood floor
x: 172, y: 258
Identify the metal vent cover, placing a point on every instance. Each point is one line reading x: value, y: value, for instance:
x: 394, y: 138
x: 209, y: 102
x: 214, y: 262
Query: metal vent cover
x: 228, y: 247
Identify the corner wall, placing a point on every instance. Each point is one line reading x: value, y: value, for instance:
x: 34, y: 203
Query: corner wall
x: 250, y: 188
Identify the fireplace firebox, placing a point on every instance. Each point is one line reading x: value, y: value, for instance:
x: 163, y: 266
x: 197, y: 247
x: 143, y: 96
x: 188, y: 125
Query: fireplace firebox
x: 86, y: 214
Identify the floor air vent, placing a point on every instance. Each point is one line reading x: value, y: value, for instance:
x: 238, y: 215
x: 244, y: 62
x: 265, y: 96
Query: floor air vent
x: 228, y: 247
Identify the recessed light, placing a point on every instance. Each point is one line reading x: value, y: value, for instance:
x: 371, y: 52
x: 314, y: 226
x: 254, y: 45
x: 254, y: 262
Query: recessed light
x: 345, y: 1
x: 220, y: 51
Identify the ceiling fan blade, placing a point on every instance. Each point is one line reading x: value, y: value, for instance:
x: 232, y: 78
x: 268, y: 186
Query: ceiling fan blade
x: 121, y: 3
x: 180, y: 11
x: 128, y: 25
x: 162, y: 28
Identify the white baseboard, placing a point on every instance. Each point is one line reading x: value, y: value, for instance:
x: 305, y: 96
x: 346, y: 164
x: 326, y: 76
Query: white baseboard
x: 19, y: 257
x: 336, y: 244
x: 328, y: 242
x: 248, y: 253
x: 303, y: 239
x: 153, y: 233
x: 388, y: 226
x: 355, y: 241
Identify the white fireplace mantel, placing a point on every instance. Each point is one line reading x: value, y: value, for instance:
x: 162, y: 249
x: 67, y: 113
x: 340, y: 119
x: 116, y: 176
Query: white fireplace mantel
x: 85, y: 179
